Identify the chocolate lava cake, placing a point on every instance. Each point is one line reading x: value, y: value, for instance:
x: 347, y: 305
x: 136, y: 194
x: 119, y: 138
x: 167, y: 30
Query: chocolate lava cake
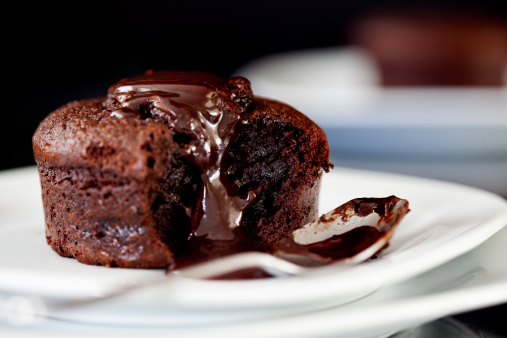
x: 173, y: 168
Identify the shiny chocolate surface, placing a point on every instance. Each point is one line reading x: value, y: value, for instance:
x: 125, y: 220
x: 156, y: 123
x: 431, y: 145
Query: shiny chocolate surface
x: 203, y: 110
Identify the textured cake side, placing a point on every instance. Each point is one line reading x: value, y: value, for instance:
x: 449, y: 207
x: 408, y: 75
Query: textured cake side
x: 111, y: 187
x: 282, y: 152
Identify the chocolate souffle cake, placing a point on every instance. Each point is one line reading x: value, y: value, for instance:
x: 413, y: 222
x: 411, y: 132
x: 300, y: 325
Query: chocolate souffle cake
x: 173, y: 168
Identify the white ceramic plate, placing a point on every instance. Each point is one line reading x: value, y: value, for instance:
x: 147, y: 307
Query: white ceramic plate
x: 446, y: 221
x: 474, y: 280
x: 447, y: 133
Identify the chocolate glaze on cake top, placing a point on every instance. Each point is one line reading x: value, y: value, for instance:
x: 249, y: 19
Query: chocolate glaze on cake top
x: 203, y: 110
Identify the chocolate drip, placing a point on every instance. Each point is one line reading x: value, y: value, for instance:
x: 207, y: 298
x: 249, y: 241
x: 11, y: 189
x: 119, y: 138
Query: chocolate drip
x: 203, y: 110
x: 126, y: 113
x: 335, y: 248
x: 365, y: 206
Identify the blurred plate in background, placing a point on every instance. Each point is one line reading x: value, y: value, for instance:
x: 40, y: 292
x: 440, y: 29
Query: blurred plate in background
x: 451, y: 133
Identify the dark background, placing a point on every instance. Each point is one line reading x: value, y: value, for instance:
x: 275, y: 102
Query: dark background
x: 64, y: 53
x: 56, y: 54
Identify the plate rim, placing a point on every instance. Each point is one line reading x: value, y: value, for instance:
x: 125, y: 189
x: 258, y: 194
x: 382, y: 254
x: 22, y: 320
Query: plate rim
x: 361, y: 270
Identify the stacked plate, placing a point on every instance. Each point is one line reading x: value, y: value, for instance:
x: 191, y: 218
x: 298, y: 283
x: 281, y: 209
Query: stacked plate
x: 455, y: 134
x: 446, y: 257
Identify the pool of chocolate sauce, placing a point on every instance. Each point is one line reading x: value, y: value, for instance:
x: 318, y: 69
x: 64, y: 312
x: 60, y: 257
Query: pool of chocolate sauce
x: 335, y: 248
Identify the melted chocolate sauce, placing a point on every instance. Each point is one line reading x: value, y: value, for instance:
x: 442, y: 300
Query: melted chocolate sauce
x: 203, y: 110
x: 335, y: 248
x: 365, y: 206
x: 352, y: 242
x: 201, y: 248
x: 249, y: 273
